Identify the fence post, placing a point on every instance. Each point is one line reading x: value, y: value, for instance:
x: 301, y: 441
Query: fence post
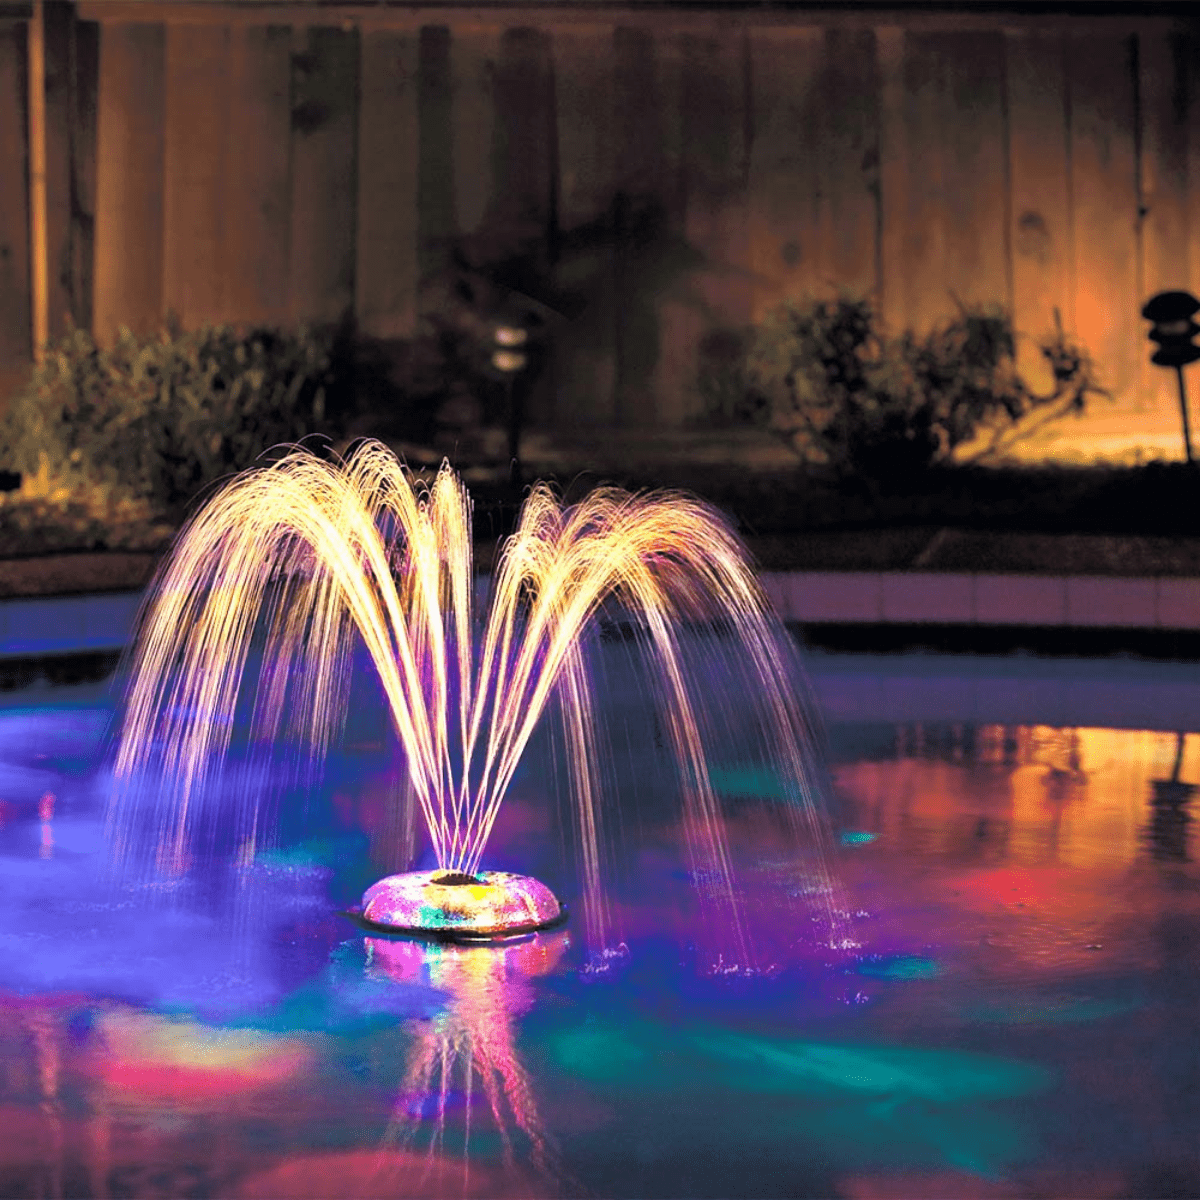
x: 39, y: 274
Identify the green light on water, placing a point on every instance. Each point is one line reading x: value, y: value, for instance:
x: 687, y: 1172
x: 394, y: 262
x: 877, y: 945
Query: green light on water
x: 896, y: 1107
x: 905, y: 966
x: 748, y: 781
x: 899, y: 1072
x: 748, y: 1063
x: 1050, y: 1010
x: 857, y: 837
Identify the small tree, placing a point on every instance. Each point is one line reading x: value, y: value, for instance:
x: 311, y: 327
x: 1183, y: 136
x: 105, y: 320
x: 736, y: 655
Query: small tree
x: 826, y: 379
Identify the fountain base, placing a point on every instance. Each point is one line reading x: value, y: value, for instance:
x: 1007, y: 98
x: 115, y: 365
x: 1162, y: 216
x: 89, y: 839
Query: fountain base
x: 451, y: 906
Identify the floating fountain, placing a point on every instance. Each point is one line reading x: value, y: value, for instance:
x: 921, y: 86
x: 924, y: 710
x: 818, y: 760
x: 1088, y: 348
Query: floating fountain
x: 253, y: 621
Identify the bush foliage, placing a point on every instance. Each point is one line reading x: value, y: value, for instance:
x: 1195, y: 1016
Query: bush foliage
x: 824, y: 376
x: 158, y: 418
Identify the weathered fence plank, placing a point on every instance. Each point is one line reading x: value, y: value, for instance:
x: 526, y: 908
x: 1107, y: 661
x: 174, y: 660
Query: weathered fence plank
x: 785, y: 249
x: 1163, y: 92
x: 718, y: 291
x: 257, y: 193
x: 58, y: 24
x: 324, y: 173
x: 1104, y: 201
x: 474, y: 54
x: 585, y: 359
x: 85, y: 69
x: 15, y: 349
x: 525, y: 147
x: 436, y: 221
x: 129, y: 180
x: 847, y: 149
x: 893, y: 287
x: 1040, y: 191
x: 924, y: 267
x: 647, y: 216
x: 523, y: 214
x: 976, y: 269
x: 386, y: 272
x: 195, y: 170
x: 1191, y: 54
x: 1163, y: 174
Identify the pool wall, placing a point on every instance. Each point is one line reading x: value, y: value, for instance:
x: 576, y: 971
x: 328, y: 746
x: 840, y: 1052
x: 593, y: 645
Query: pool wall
x: 42, y: 625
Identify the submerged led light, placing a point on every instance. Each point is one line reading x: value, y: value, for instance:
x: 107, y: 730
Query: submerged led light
x: 459, y: 907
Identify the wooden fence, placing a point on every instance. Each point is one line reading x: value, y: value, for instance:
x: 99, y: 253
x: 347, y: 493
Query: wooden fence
x: 674, y: 172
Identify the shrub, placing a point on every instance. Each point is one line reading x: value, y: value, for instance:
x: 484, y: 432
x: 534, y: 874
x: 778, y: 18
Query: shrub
x: 158, y: 418
x: 825, y: 377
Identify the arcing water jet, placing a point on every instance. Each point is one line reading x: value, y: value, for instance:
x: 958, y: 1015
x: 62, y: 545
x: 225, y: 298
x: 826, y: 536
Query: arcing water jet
x: 304, y: 556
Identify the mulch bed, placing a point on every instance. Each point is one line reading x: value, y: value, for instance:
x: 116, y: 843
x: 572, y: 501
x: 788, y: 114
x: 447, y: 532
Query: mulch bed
x: 1141, y: 521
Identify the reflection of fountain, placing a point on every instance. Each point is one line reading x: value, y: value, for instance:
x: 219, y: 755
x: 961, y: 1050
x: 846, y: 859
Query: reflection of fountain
x: 466, y: 1052
x: 289, y: 562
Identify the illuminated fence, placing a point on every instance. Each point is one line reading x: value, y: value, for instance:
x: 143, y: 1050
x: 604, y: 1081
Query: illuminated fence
x: 274, y: 161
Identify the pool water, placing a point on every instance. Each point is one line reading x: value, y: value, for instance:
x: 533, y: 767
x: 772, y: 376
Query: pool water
x: 1006, y: 1004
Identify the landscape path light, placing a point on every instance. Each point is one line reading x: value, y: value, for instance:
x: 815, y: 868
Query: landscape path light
x: 1173, y: 331
x: 509, y: 358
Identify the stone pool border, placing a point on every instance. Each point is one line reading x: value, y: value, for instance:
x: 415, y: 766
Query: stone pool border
x: 34, y: 626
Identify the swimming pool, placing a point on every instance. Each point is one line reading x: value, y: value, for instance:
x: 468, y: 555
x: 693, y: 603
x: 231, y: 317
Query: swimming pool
x: 1010, y: 1009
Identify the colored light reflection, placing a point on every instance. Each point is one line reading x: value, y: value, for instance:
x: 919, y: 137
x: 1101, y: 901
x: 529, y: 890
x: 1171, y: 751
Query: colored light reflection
x: 155, y: 1057
x: 1025, y: 795
x: 464, y: 1058
x: 46, y: 816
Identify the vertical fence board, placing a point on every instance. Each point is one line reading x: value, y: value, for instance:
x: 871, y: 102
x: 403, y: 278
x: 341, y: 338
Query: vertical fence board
x: 386, y: 274
x: 324, y: 175
x: 645, y: 96
x: 436, y: 223
x: 586, y: 359
x: 893, y: 178
x: 715, y: 159
x: 1164, y: 170
x: 975, y: 166
x: 257, y: 189
x: 85, y: 66
x: 784, y: 238
x: 525, y: 157
x: 129, y: 180
x: 583, y: 71
x: 14, y: 207
x: 58, y: 35
x: 1191, y: 52
x: 525, y: 184
x: 1162, y: 88
x: 638, y: 117
x: 1104, y: 203
x: 1040, y: 235
x: 927, y: 198
x: 194, y: 157
x: 847, y: 150
x: 474, y: 54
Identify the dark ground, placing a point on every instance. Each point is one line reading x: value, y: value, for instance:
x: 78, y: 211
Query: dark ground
x: 1134, y: 521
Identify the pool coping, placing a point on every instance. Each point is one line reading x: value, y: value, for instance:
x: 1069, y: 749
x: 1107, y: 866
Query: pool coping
x: 38, y: 626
